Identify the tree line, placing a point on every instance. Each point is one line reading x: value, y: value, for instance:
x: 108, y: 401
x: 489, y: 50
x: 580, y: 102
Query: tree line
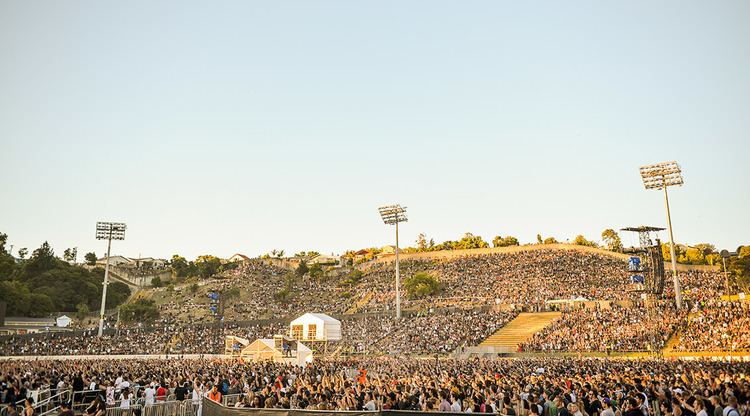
x: 45, y: 283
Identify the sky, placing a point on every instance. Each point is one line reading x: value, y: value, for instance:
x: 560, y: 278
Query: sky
x: 246, y: 126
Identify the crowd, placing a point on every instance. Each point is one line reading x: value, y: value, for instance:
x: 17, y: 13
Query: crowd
x: 639, y: 328
x: 528, y: 278
x: 165, y: 337
x: 716, y: 326
x: 433, y: 332
x: 470, y: 286
x: 510, y: 387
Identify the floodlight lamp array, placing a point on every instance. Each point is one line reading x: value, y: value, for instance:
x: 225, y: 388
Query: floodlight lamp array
x: 110, y: 230
x: 661, y: 175
x: 393, y: 214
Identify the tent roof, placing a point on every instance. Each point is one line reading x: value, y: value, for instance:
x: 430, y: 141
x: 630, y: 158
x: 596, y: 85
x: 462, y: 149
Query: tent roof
x: 321, y: 316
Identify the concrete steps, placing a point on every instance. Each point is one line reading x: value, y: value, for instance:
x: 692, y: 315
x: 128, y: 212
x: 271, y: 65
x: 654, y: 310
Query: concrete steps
x: 519, y: 330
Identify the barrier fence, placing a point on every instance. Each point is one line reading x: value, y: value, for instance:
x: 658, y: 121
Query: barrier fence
x: 167, y: 408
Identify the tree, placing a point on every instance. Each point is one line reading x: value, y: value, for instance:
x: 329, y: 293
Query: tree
x: 351, y: 279
x: 57, y: 285
x: 470, y: 241
x: 508, y: 241
x: 22, y: 252
x: 678, y: 250
x: 142, y: 310
x: 694, y: 256
x: 743, y: 251
x: 17, y: 297
x: 42, y: 260
x: 539, y: 239
x: 612, y: 240
x: 302, y: 269
x: 550, y: 240
x: 316, y: 271
x: 420, y: 285
x: 3, y: 241
x: 582, y: 241
x: 70, y: 254
x: 41, y: 305
x: 706, y: 248
x: 421, y: 242
x: 179, y: 266
x: 90, y: 258
x: 156, y: 281
x: 207, y: 265
x: 82, y: 311
x: 281, y: 253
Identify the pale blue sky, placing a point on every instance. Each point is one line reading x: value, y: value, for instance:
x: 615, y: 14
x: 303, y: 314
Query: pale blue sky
x: 222, y: 127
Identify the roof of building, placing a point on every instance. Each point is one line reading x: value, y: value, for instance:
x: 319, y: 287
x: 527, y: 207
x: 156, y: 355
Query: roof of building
x: 23, y: 319
x: 323, y: 317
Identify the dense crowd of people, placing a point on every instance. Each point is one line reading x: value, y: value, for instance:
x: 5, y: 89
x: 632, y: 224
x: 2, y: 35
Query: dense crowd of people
x: 638, y: 328
x: 510, y: 387
x: 162, y: 338
x: 716, y: 326
x: 471, y: 285
x: 429, y: 333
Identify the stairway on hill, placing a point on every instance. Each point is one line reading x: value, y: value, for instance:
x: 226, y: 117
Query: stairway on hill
x: 519, y: 330
x: 360, y: 303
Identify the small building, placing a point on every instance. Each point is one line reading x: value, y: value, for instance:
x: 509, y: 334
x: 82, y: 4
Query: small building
x: 115, y: 261
x: 233, y: 345
x: 63, y: 321
x: 24, y: 325
x: 315, y: 327
x: 279, y: 349
x: 389, y: 251
x: 361, y: 254
x: 148, y: 263
x: 237, y: 257
x: 324, y: 260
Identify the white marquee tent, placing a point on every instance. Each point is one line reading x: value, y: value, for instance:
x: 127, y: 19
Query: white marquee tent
x: 315, y: 327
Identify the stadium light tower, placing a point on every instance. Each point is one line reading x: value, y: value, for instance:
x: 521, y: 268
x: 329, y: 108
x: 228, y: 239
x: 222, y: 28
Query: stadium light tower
x: 392, y: 215
x: 107, y: 231
x: 661, y: 176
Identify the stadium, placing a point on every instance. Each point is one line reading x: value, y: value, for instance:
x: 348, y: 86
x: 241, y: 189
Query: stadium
x: 493, y: 329
x: 334, y: 207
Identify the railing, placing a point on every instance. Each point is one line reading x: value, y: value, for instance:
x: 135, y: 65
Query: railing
x: 4, y: 410
x: 231, y: 399
x: 166, y: 408
x: 52, y: 403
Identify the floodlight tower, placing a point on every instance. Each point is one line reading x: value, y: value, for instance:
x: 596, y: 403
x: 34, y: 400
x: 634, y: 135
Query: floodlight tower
x: 661, y: 176
x: 107, y: 231
x: 392, y: 215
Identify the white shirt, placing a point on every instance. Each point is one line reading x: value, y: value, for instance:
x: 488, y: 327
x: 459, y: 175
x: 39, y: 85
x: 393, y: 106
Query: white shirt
x: 196, y: 394
x: 150, y: 395
x: 125, y: 401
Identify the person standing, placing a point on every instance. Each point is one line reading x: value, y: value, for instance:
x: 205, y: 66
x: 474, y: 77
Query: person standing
x: 180, y: 392
x: 731, y: 408
x: 214, y: 394
x: 150, y: 395
x: 28, y: 409
x: 718, y: 409
x: 161, y: 392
